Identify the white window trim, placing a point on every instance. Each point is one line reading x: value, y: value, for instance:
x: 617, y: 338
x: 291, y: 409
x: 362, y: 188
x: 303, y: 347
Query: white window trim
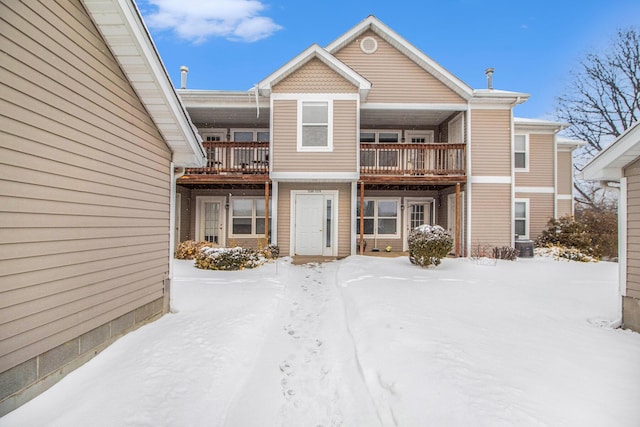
x: 429, y: 135
x: 375, y: 234
x: 213, y: 132
x: 527, y: 219
x: 527, y: 152
x: 329, y: 146
x: 253, y: 130
x: 253, y: 234
x: 377, y: 135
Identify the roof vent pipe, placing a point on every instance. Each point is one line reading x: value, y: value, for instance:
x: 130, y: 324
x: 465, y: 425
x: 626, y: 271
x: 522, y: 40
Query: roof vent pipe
x: 489, y: 73
x: 183, y: 73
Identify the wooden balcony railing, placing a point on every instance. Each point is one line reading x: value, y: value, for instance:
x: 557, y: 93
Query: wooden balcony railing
x: 234, y: 157
x: 375, y: 159
x: 412, y: 159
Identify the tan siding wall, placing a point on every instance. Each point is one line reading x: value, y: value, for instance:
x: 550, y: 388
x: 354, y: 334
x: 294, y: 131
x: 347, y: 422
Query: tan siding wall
x: 540, y: 173
x: 565, y: 172
x: 540, y: 211
x: 491, y: 215
x: 394, y: 77
x: 286, y: 157
x: 491, y: 142
x: 344, y: 214
x: 632, y: 172
x: 84, y: 184
x: 315, y: 77
x: 564, y: 208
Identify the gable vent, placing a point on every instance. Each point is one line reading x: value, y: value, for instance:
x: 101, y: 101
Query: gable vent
x: 368, y: 45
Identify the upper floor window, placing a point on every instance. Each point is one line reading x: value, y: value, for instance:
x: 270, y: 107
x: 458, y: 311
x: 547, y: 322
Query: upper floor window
x: 381, y: 136
x: 521, y: 153
x: 315, y: 126
x: 250, y: 135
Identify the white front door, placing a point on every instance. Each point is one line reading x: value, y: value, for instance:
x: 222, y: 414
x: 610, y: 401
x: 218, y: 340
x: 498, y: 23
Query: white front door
x: 210, y: 220
x: 309, y: 226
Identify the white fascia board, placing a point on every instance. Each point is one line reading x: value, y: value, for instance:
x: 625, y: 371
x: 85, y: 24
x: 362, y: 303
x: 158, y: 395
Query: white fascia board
x: 412, y: 106
x: 484, y: 179
x: 124, y: 31
x: 608, y: 164
x: 491, y: 98
x: 374, y: 24
x: 315, y: 51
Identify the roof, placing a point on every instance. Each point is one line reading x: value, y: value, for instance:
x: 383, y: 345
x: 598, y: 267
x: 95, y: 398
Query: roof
x: 539, y: 123
x: 315, y: 51
x: 124, y: 31
x: 610, y: 162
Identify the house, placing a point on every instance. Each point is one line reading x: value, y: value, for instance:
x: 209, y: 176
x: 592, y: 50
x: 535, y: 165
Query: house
x: 620, y: 162
x: 91, y: 131
x: 357, y: 143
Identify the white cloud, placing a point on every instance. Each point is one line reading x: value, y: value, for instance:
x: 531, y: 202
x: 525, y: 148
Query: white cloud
x: 198, y: 20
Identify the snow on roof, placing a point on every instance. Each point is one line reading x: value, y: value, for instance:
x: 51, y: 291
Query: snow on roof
x: 608, y: 164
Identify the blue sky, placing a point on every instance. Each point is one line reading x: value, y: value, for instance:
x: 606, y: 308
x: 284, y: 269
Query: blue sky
x: 533, y: 45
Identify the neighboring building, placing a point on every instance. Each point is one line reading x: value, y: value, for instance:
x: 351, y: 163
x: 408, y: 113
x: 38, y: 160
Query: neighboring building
x: 369, y: 121
x: 620, y: 162
x: 91, y: 130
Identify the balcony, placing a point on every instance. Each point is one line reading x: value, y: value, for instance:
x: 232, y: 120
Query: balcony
x: 249, y: 161
x: 234, y: 159
x: 425, y: 159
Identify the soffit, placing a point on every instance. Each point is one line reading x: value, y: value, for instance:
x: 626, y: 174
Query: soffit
x: 123, y: 30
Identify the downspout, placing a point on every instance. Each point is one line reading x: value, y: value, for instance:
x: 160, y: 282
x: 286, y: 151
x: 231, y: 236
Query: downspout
x: 175, y: 175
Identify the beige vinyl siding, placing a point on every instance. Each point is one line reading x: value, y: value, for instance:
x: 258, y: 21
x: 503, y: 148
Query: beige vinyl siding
x: 491, y: 143
x: 565, y: 172
x: 632, y: 172
x: 491, y: 215
x: 84, y: 184
x: 286, y: 157
x: 564, y: 207
x: 315, y: 77
x: 540, y: 211
x: 541, y: 148
x: 344, y: 214
x: 393, y: 76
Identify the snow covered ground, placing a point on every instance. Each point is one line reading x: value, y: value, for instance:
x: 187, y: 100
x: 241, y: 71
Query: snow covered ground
x: 366, y: 342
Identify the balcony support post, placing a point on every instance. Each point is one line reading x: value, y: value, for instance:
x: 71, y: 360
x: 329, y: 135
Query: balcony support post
x: 266, y: 212
x: 361, y: 243
x: 458, y: 220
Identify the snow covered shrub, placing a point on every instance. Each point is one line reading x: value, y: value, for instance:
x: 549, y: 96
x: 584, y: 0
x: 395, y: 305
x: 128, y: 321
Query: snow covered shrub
x: 602, y: 226
x: 271, y: 251
x: 237, y: 258
x: 428, y: 244
x: 189, y: 248
x: 568, y: 233
x: 505, y: 252
x: 559, y: 252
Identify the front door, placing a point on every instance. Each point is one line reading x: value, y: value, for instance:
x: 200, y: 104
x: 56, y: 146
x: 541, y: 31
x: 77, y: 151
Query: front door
x: 209, y: 220
x: 309, y: 225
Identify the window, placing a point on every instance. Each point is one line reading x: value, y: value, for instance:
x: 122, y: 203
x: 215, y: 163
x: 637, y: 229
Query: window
x: 521, y: 151
x: 380, y: 217
x: 250, y: 155
x: 385, y: 157
x: 247, y: 217
x: 315, y: 132
x: 521, y: 215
